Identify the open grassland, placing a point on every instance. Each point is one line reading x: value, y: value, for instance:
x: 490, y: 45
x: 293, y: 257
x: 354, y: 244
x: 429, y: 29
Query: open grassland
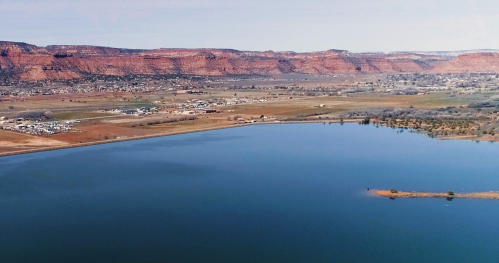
x: 79, y: 115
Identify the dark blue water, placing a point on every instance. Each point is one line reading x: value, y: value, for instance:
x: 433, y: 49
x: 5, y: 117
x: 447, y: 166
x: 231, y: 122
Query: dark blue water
x: 268, y: 193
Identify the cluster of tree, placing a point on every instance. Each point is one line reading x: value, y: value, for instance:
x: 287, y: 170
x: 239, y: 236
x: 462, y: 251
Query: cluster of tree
x: 449, y: 121
x: 470, y: 80
x: 408, y: 91
x: 491, y: 103
x: 384, y: 114
x: 169, y: 120
x: 36, y: 115
x: 231, y: 118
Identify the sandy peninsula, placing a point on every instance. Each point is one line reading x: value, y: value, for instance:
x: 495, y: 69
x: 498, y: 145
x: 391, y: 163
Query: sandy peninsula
x: 399, y: 194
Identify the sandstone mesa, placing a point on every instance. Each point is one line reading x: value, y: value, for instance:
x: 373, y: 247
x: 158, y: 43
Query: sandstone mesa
x: 21, y: 61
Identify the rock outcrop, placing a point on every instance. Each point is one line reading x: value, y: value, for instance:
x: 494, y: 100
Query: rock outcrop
x: 20, y: 61
x: 471, y: 63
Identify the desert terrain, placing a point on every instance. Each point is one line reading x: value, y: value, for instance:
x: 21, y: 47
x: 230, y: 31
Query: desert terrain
x: 68, y: 96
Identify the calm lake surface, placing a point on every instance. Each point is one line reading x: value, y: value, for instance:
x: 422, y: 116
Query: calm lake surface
x: 265, y: 193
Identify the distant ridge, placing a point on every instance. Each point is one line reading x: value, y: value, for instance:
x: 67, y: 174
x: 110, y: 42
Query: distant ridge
x: 21, y: 61
x: 450, y: 53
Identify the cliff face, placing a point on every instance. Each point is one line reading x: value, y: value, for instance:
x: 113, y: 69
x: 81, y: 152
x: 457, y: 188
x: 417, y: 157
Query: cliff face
x: 471, y: 63
x: 28, y: 62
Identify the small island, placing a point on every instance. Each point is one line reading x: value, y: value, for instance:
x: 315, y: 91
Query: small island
x: 393, y: 193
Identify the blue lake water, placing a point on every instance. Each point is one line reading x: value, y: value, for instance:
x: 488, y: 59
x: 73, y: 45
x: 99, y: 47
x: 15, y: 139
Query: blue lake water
x: 266, y: 193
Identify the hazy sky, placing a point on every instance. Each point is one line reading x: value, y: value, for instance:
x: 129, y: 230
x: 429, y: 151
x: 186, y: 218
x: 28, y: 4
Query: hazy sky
x: 279, y: 25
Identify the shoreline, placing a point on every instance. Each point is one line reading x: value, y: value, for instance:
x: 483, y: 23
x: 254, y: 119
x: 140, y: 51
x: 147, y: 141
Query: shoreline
x: 47, y: 149
x: 477, y: 195
x: 329, y: 121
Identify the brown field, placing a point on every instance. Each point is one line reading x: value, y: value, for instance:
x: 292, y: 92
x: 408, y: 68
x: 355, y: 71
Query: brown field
x: 13, y: 141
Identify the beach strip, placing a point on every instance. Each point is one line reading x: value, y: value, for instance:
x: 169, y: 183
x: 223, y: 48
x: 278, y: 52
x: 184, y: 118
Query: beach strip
x: 448, y: 195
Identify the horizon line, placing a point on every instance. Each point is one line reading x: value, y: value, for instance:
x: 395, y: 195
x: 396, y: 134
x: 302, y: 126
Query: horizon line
x: 491, y: 50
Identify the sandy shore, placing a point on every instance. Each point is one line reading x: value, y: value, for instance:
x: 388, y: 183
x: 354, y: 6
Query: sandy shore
x: 482, y: 195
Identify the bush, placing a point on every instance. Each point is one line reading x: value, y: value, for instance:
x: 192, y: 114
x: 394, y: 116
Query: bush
x: 31, y: 115
x: 393, y: 191
x: 48, y: 114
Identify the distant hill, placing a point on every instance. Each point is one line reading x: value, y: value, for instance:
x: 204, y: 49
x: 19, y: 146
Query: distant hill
x: 451, y: 53
x: 21, y: 61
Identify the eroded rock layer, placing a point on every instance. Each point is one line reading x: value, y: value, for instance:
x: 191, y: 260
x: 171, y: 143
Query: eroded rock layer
x: 22, y: 61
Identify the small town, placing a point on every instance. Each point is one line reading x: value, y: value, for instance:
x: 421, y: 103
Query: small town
x: 397, y: 84
x: 37, y: 128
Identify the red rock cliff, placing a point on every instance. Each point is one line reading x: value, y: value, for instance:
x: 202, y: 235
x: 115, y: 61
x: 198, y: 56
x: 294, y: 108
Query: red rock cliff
x: 471, y: 63
x: 28, y: 62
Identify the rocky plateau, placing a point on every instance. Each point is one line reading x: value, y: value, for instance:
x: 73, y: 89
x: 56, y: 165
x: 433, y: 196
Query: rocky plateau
x: 21, y: 61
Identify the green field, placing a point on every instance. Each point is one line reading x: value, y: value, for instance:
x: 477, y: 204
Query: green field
x: 78, y: 115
